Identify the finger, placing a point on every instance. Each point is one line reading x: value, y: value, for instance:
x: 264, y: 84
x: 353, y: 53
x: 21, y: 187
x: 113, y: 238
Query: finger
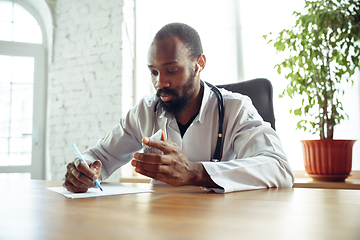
x: 164, y: 146
x: 151, y: 167
x: 151, y: 158
x: 80, y: 180
x: 163, y: 138
x: 154, y: 175
x: 96, y: 167
x: 73, y: 184
x: 83, y: 168
x: 73, y: 173
x: 72, y: 188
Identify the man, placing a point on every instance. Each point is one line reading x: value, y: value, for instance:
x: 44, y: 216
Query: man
x: 186, y: 110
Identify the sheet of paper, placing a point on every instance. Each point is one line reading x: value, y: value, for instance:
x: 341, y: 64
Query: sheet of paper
x: 95, y: 192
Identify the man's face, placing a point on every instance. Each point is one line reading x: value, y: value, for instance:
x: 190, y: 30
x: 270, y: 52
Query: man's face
x: 172, y: 74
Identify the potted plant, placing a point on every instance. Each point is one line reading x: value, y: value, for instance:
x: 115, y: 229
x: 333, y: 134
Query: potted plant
x: 324, y: 54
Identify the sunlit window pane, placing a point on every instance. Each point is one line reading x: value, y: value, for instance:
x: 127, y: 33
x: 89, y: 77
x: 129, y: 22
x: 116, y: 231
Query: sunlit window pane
x: 26, y: 75
x: 20, y: 128
x: 20, y: 145
x: 19, y: 159
x: 5, y: 68
x: 16, y: 102
x: 26, y: 145
x: 17, y: 24
x: 4, y: 157
x: 22, y: 16
x: 30, y: 33
x: 15, y: 147
x: 6, y: 31
x: 4, y: 130
x: 6, y: 11
x: 15, y: 176
x: 4, y: 148
x: 5, y: 109
x: 4, y: 127
x: 21, y: 103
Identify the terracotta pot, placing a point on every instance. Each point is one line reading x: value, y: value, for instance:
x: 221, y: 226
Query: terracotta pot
x: 328, y: 160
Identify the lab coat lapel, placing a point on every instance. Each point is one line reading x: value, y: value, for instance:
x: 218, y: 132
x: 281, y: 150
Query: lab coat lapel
x: 169, y: 126
x: 174, y: 133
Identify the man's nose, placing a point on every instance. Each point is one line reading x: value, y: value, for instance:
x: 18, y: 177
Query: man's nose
x: 161, y: 81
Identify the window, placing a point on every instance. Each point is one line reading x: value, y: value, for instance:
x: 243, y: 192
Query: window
x: 16, y: 97
x: 22, y: 93
x: 17, y: 24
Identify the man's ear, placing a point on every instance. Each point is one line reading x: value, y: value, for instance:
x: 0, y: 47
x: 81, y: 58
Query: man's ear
x: 201, y: 61
x: 198, y: 69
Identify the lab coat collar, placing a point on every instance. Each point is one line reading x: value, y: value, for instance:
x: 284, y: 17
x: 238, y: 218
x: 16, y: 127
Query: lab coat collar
x: 204, y: 103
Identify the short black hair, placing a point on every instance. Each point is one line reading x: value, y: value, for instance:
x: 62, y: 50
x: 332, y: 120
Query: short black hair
x: 188, y: 35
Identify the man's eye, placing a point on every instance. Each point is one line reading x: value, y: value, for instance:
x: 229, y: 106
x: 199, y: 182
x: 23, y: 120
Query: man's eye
x: 172, y: 71
x: 154, y: 73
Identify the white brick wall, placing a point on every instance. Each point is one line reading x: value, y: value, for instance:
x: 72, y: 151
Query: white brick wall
x: 85, y: 78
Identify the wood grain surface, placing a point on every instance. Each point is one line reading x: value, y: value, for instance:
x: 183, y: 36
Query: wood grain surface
x: 30, y: 211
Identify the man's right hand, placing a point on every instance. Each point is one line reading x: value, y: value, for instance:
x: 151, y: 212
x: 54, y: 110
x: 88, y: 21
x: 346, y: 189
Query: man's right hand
x: 79, y: 177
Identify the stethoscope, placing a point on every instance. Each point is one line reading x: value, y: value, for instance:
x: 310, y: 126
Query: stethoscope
x: 221, y: 109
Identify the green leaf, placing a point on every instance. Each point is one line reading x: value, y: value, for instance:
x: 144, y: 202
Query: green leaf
x: 298, y: 112
x: 355, y: 60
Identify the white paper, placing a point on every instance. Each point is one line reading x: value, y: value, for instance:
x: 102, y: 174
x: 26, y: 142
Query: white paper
x: 95, y: 192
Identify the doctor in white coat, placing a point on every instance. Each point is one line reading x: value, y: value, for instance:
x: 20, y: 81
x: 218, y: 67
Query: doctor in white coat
x: 186, y: 110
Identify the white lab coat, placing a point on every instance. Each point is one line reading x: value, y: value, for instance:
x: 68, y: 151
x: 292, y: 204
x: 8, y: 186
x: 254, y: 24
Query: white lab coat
x: 252, y: 157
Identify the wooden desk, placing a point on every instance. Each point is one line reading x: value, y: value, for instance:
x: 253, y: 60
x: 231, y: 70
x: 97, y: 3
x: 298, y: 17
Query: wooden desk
x: 309, y: 183
x: 302, y: 180
x: 29, y: 211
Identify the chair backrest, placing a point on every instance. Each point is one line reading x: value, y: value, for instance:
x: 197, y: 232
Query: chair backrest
x: 261, y: 93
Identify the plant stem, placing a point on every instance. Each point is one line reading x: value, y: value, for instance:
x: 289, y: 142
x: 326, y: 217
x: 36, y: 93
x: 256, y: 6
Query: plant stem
x: 321, y: 123
x: 329, y: 125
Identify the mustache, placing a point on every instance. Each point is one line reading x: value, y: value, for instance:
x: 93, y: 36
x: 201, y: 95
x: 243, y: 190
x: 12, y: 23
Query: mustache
x: 166, y: 91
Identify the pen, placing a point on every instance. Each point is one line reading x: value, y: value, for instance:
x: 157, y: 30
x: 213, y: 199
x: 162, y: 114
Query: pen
x: 81, y: 158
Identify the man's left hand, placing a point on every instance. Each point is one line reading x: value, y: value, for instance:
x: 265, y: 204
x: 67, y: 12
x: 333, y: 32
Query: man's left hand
x: 172, y: 167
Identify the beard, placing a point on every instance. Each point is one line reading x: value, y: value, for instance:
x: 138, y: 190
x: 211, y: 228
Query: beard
x: 178, y: 104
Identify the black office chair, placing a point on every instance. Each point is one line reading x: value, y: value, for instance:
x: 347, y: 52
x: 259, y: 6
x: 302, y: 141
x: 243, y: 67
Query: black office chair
x: 261, y: 93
